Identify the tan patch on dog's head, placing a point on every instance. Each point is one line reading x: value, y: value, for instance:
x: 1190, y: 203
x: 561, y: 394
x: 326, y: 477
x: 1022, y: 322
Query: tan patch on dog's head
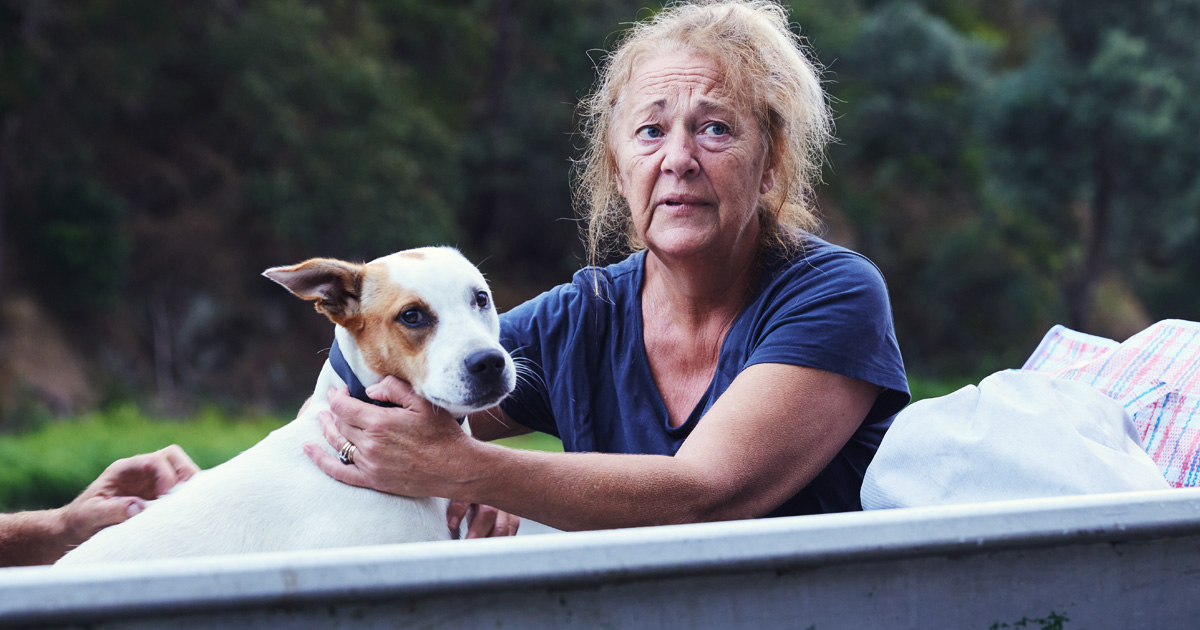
x: 390, y: 346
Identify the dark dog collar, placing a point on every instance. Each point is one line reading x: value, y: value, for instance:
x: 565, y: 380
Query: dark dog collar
x: 338, y: 362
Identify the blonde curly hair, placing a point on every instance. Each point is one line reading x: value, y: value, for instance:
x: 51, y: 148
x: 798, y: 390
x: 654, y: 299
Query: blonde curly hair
x: 766, y: 66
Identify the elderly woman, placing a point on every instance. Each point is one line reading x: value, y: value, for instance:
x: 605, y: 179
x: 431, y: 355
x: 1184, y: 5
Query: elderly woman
x: 734, y: 366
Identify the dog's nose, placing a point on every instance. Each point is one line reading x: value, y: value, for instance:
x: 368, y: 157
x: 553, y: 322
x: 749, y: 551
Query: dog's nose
x: 485, y: 364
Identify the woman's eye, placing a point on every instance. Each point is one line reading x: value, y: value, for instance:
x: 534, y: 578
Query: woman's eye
x: 414, y: 317
x: 717, y: 129
x: 649, y: 133
x: 481, y: 299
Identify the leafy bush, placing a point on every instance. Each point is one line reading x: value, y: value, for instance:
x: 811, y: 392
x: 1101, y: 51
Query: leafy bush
x: 50, y: 466
x: 923, y: 388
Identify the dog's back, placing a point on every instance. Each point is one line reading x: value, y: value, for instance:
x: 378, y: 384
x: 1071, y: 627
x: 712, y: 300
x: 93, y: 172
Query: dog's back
x: 269, y: 498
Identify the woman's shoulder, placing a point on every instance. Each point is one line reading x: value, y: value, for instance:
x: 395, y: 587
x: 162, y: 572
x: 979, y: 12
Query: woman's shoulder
x: 618, y: 277
x: 610, y: 285
x: 820, y: 261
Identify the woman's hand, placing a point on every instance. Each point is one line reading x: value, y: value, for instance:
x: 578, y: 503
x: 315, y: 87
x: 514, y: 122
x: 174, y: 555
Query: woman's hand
x: 415, y: 449
x: 410, y: 450
x: 483, y: 521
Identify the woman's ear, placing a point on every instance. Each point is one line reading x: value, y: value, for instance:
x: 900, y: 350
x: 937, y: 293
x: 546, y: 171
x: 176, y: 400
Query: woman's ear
x: 768, y: 181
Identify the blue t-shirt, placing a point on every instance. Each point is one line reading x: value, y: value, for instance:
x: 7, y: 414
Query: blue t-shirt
x: 588, y: 380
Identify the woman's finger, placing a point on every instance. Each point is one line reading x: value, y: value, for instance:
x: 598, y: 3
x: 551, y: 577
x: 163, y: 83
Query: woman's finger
x: 455, y: 513
x: 506, y: 524
x: 393, y: 390
x: 482, y: 521
x: 332, y: 466
x: 347, y: 410
x: 333, y: 433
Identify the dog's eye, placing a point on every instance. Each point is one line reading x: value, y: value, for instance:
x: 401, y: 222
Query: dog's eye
x: 414, y: 318
x: 481, y: 299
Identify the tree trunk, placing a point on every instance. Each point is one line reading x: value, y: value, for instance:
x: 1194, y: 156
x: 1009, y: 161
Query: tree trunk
x: 1081, y: 294
x: 164, y: 360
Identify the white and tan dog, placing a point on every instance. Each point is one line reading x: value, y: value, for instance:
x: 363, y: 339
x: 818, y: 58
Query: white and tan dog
x: 423, y: 315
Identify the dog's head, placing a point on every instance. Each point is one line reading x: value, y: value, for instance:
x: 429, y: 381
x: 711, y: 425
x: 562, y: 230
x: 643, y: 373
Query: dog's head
x: 422, y: 315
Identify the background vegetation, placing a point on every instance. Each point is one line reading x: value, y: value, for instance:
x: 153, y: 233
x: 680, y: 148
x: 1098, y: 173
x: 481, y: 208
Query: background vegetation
x: 1009, y: 164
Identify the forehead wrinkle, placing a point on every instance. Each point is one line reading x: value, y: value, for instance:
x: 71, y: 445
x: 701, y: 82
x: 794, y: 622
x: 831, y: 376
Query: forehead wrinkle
x: 674, y: 81
x: 697, y: 70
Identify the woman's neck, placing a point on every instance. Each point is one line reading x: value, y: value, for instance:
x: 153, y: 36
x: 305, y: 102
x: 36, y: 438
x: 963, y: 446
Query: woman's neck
x: 699, y: 291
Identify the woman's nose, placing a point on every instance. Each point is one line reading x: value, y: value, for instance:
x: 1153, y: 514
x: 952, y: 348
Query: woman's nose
x: 680, y: 155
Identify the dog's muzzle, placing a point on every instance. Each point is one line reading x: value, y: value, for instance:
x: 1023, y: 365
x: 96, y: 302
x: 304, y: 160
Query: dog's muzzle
x: 487, y: 375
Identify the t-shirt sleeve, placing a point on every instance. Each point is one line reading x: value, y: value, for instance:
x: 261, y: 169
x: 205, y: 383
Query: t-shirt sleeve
x: 832, y: 313
x: 527, y: 332
x: 558, y: 333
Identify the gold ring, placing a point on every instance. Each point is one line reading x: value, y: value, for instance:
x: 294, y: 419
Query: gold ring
x: 346, y: 455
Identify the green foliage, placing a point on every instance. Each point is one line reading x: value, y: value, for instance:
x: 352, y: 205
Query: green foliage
x: 533, y: 442
x: 339, y: 128
x: 912, y: 80
x: 917, y: 195
x: 50, y: 466
x: 77, y: 244
x: 1092, y: 137
x: 923, y: 388
x: 997, y: 159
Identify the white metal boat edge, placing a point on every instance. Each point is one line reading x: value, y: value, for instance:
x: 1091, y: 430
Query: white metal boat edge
x: 45, y: 595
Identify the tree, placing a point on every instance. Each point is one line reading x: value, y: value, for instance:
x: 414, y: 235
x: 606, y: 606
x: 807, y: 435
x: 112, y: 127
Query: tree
x: 909, y: 178
x: 1093, y: 137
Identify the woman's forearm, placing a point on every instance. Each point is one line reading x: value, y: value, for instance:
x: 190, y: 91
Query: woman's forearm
x: 579, y: 491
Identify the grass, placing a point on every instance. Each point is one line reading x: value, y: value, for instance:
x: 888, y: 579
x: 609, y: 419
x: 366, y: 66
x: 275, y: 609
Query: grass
x: 533, y: 442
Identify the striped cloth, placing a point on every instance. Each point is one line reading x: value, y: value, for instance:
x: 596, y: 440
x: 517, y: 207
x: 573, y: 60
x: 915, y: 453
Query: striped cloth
x: 1155, y: 375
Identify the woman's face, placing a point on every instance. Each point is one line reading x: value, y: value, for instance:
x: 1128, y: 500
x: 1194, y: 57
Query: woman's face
x: 691, y: 161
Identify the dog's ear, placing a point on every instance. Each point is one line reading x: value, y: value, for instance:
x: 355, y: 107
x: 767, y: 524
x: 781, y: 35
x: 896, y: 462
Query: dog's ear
x: 334, y: 286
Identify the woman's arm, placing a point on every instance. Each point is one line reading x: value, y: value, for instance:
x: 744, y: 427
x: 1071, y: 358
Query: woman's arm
x: 768, y: 435
x: 485, y: 521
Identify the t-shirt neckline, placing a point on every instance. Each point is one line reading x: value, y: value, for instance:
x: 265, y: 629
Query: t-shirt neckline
x: 643, y: 358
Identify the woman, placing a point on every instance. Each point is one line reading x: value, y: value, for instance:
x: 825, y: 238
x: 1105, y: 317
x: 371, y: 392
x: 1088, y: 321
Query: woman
x: 734, y: 366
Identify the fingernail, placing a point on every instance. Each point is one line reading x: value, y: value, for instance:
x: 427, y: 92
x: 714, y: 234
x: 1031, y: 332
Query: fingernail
x: 454, y: 522
x: 135, y: 508
x: 372, y: 389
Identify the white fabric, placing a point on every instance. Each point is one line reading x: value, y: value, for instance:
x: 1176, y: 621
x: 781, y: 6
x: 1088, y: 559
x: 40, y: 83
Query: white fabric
x: 1017, y: 435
